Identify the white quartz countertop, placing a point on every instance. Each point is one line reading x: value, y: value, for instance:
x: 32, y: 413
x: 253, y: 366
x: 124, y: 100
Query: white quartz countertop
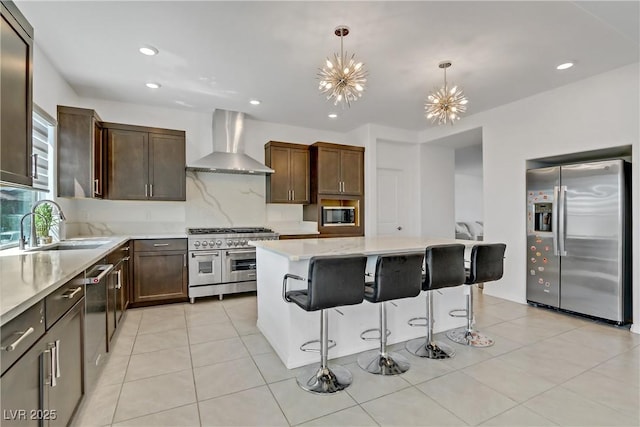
x: 300, y: 249
x: 28, y: 276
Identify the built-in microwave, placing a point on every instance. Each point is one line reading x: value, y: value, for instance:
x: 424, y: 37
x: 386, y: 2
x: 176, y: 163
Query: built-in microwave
x: 338, y: 215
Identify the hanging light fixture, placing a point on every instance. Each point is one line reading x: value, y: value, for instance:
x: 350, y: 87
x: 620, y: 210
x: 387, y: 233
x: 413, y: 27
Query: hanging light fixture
x: 445, y: 105
x: 342, y: 78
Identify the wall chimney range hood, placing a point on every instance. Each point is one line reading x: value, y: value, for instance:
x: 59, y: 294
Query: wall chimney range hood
x: 228, y: 148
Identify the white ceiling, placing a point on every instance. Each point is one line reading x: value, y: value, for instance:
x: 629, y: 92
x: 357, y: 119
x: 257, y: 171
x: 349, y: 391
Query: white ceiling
x: 221, y: 54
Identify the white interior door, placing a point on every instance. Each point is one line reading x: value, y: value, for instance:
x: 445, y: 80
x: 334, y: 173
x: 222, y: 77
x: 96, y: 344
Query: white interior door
x: 393, y: 205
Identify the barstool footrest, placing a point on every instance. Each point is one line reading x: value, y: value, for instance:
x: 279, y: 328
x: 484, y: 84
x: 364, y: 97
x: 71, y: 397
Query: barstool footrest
x: 413, y: 320
x: 376, y: 338
x: 304, y: 346
x: 458, y: 312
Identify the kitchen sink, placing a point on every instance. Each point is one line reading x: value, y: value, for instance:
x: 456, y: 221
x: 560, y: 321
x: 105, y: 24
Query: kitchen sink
x: 72, y: 245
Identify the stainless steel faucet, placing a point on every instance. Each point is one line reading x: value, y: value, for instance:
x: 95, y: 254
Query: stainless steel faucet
x: 33, y: 242
x: 22, y: 242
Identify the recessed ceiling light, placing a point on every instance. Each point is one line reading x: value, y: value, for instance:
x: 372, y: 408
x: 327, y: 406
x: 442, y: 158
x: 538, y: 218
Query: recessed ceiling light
x: 152, y: 85
x: 148, y: 50
x: 564, y: 66
x: 333, y: 115
x: 254, y: 102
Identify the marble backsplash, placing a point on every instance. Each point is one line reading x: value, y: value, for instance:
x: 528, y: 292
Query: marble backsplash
x: 213, y: 200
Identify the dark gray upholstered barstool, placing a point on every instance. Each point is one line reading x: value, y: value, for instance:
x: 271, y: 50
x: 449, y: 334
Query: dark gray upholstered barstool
x: 487, y: 265
x: 396, y: 276
x: 444, y: 268
x: 332, y: 281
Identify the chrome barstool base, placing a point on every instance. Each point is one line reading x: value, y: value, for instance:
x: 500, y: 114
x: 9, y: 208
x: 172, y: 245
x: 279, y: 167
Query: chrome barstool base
x: 324, y: 381
x: 387, y: 364
x: 433, y: 350
x: 470, y: 338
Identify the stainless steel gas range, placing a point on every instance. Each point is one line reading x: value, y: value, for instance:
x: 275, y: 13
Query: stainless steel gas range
x: 221, y: 260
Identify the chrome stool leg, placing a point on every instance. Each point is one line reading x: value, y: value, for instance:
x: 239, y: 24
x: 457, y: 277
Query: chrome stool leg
x: 322, y: 379
x: 380, y: 361
x: 428, y: 347
x: 467, y: 335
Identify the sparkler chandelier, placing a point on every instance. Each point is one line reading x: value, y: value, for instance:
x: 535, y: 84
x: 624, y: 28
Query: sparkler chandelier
x: 342, y: 79
x: 445, y: 105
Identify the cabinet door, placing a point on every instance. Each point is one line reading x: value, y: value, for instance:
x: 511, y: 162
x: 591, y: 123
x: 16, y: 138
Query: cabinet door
x: 128, y: 165
x: 352, y: 172
x: 160, y: 275
x: 15, y: 98
x: 280, y: 180
x: 22, y: 387
x: 66, y: 336
x: 328, y: 170
x: 299, y: 166
x: 167, y: 174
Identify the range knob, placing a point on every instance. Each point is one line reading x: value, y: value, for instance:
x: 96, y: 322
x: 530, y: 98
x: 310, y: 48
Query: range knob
x: 243, y: 243
x: 236, y: 243
x: 211, y: 243
x: 196, y: 243
x: 204, y: 243
x: 229, y: 242
x: 218, y: 243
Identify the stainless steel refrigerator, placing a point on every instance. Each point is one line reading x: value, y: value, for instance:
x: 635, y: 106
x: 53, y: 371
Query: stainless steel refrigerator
x: 579, y: 239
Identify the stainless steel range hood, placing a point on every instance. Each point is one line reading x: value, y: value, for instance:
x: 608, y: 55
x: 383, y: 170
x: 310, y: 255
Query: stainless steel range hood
x: 228, y: 148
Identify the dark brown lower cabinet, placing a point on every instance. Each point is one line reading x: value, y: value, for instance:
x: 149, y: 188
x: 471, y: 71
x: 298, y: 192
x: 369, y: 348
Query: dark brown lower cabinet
x: 160, y: 271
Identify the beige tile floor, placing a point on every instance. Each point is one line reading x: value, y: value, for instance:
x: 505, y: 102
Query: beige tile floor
x: 207, y: 364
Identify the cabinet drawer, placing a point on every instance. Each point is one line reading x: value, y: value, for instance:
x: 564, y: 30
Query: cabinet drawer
x: 160, y: 245
x: 60, y: 301
x: 20, y: 334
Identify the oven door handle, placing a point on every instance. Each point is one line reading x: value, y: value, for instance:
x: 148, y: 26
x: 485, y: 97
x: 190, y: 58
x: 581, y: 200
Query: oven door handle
x: 195, y: 254
x: 241, y: 252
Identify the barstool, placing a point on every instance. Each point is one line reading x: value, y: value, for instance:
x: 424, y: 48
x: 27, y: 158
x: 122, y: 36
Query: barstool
x: 332, y: 281
x: 444, y: 268
x: 487, y: 264
x: 396, y: 276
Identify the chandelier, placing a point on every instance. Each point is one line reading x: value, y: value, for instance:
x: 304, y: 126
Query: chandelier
x: 342, y: 79
x: 445, y: 105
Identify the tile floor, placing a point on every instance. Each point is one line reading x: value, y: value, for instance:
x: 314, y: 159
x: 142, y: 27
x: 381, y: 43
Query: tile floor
x: 207, y: 364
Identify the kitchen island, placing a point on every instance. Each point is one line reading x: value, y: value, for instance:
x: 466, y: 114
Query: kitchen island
x: 286, y: 326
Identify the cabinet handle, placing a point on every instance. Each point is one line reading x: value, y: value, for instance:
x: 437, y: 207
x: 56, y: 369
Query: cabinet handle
x: 51, y: 349
x: 119, y: 279
x: 293, y: 194
x: 34, y: 166
x: 146, y: 190
x: 58, y: 359
x: 160, y: 244
x: 151, y: 190
x: 126, y: 259
x: 96, y: 186
x: 288, y: 194
x: 17, y: 342
x: 126, y: 248
x: 72, y: 294
x: 184, y: 260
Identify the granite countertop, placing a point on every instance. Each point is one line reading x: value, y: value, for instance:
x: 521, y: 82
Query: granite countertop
x: 301, y: 249
x: 28, y: 276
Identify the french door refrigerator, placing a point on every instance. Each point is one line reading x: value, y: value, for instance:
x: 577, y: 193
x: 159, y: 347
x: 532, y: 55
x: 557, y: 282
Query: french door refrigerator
x: 579, y: 239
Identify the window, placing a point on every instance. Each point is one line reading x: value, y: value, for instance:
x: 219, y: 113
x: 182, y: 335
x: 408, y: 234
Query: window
x: 15, y: 201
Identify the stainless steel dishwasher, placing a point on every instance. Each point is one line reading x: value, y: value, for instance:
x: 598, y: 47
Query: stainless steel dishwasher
x: 95, y: 343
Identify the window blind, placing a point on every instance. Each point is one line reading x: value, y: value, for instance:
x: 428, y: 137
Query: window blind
x: 41, y: 147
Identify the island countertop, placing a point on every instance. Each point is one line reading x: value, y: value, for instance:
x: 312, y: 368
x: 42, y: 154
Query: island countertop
x: 300, y: 249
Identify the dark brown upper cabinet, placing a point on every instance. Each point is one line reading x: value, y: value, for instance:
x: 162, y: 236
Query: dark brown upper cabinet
x: 337, y: 169
x: 80, y: 153
x: 17, y: 165
x: 290, y: 181
x: 145, y: 163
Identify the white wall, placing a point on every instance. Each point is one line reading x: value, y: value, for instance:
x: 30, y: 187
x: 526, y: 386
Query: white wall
x: 595, y: 113
x: 468, y: 183
x: 437, y: 167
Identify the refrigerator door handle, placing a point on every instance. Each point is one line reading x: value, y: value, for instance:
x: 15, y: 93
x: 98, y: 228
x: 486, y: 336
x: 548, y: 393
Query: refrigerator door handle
x: 562, y: 221
x: 554, y: 219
